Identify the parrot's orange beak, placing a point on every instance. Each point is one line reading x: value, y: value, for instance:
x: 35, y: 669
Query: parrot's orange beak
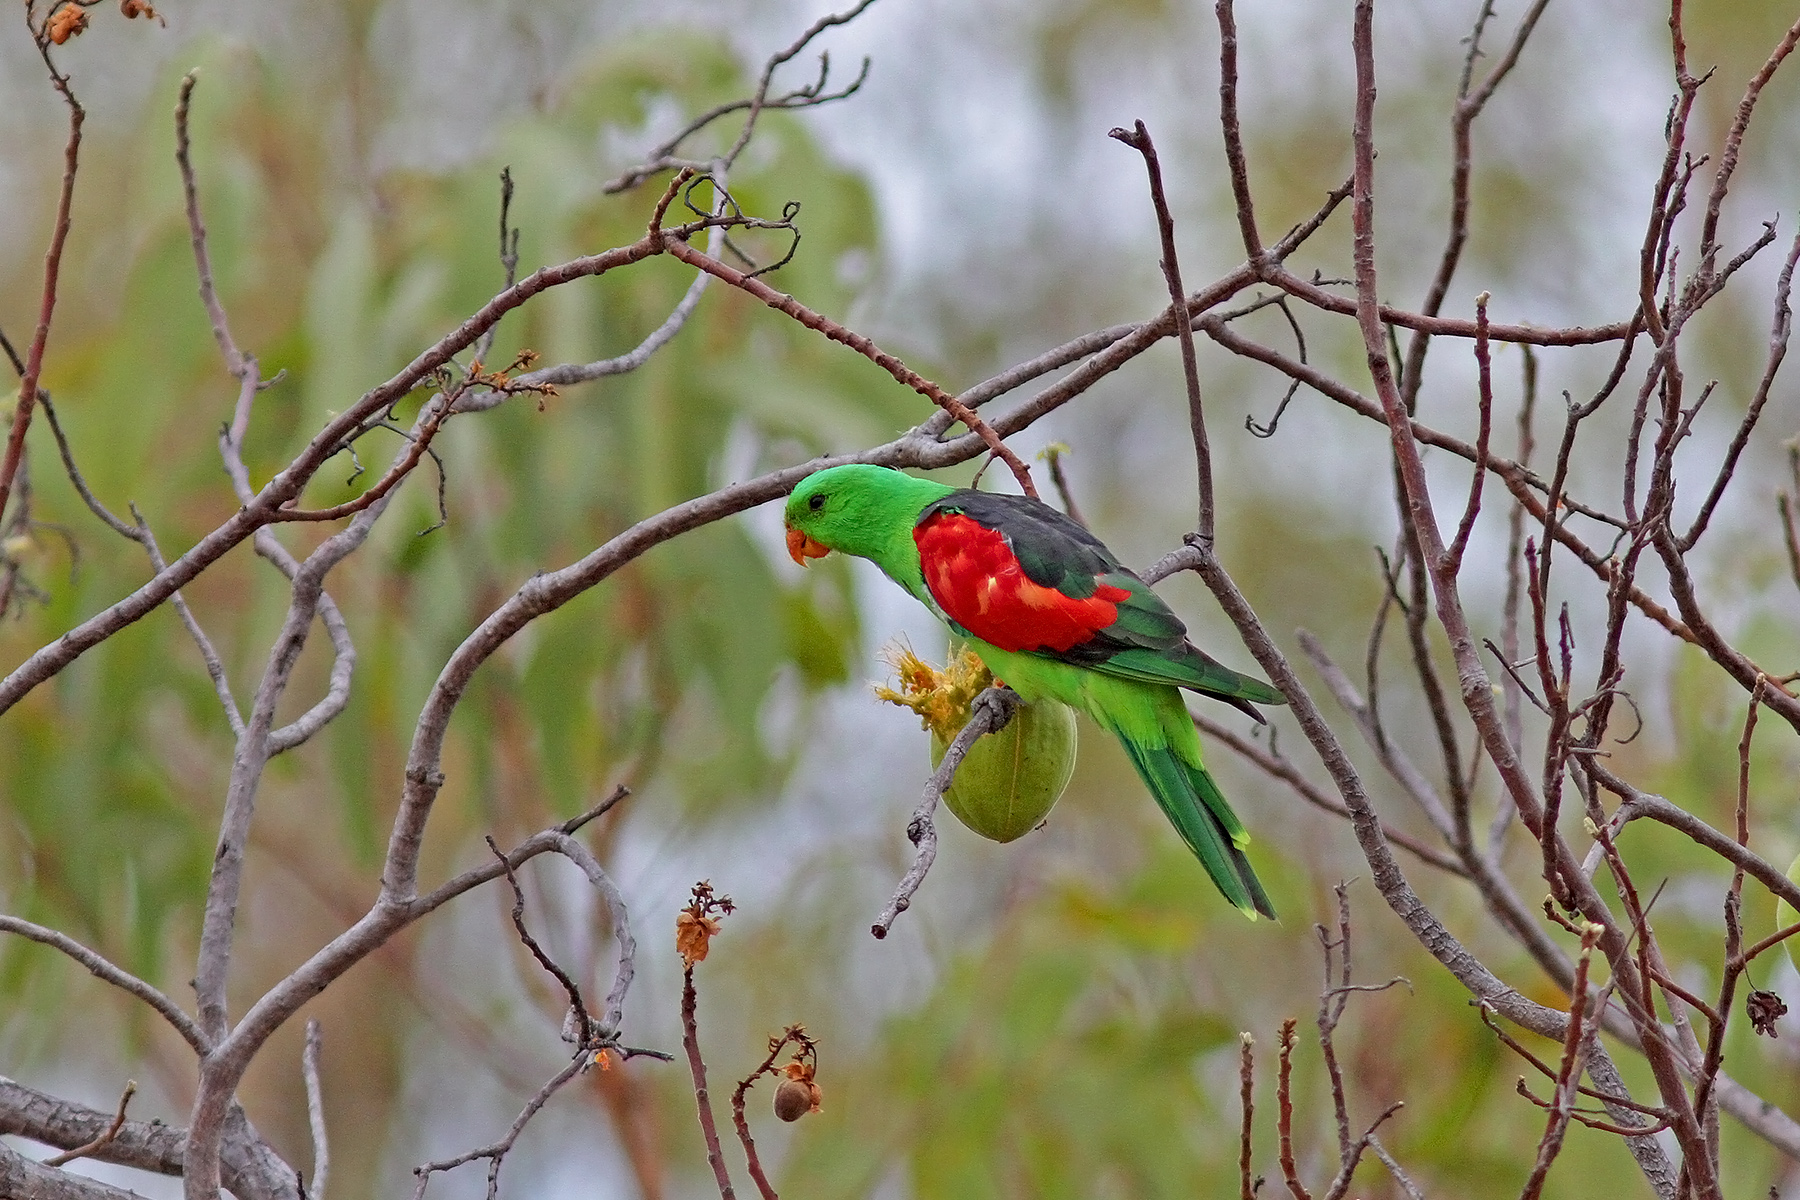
x: 801, y: 547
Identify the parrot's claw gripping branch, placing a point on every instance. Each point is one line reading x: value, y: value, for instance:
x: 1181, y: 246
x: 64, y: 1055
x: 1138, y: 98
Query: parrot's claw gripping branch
x: 990, y: 713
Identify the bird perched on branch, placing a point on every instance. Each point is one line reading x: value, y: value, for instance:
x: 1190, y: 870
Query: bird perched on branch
x: 1051, y: 611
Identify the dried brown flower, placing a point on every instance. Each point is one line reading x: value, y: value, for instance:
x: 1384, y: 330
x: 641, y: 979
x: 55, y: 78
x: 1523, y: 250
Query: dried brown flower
x: 696, y: 924
x: 693, y: 936
x: 65, y: 23
x: 1765, y: 1008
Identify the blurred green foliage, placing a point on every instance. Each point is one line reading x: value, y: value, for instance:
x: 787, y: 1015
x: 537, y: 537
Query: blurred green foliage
x: 113, y: 774
x: 1073, y: 1031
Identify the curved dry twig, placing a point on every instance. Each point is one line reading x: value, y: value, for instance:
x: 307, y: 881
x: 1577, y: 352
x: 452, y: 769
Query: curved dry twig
x: 120, y: 978
x: 663, y: 158
x: 989, y: 713
x: 496, y: 1153
x: 862, y: 345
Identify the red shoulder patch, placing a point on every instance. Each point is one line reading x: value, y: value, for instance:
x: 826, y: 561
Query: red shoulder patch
x: 977, y: 580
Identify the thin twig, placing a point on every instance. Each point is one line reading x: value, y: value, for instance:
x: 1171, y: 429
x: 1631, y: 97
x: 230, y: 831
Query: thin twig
x: 1638, y: 804
x: 59, y: 236
x: 1054, y: 455
x: 1465, y: 527
x: 1284, y: 1114
x: 120, y: 978
x: 1286, y: 771
x: 105, y: 1138
x: 496, y: 1153
x: 807, y: 1055
x: 1734, y: 140
x: 690, y: 1041
x: 576, y: 1006
x: 1347, y: 1172
x: 1470, y: 101
x: 1234, y: 136
x: 1778, y: 342
x: 1138, y: 138
x: 989, y: 713
x: 315, y: 1109
x: 662, y: 158
x: 1246, y: 1091
x: 820, y: 323
x: 509, y: 256
x: 1332, y: 1002
x: 1568, y: 1074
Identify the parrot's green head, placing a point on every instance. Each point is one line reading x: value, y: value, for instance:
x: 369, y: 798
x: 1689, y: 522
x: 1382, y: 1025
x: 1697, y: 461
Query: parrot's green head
x: 856, y: 509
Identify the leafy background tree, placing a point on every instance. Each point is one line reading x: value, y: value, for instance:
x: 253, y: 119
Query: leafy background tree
x: 1058, y: 1017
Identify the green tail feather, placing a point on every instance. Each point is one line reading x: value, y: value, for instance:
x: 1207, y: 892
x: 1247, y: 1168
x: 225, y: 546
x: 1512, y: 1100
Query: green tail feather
x: 1192, y: 670
x: 1194, y: 805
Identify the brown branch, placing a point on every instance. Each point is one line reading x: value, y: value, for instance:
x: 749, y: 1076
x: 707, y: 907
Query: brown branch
x: 1778, y: 342
x: 236, y: 362
x: 1334, y: 997
x: 1286, y: 771
x: 1347, y: 1171
x: 19, y: 1176
x: 690, y: 1041
x: 768, y: 75
x: 107, y: 972
x: 1769, y: 943
x: 496, y: 1153
x: 252, y: 1170
x: 1734, y: 140
x: 1516, y: 476
x: 1528, y: 335
x: 741, y: 1121
x: 106, y: 1136
x: 59, y: 236
x: 418, y: 443
x: 1734, y: 932
x: 1485, y: 398
x: 1586, y: 1118
x: 1492, y: 884
x: 1284, y: 1116
x: 1568, y: 1074
x: 810, y: 96
x: 1138, y: 138
x: 1246, y: 1093
x: 1549, y: 1072
x: 820, y: 323
x: 1469, y: 105
x: 793, y: 1034
x: 583, y: 1025
x: 1054, y: 455
x: 1509, y: 620
x: 1476, y: 690
x: 1234, y: 135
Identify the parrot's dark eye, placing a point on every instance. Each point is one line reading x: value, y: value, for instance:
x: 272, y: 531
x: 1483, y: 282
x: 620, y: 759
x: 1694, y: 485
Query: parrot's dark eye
x: 815, y: 502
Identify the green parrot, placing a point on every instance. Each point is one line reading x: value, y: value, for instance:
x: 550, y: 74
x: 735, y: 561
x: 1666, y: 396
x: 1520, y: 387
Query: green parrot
x: 1051, y: 611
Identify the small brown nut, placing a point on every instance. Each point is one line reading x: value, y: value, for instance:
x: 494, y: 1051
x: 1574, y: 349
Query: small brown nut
x: 793, y: 1100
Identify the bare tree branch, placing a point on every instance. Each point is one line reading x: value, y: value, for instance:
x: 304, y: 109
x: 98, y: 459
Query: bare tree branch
x: 122, y: 979
x: 315, y: 1110
x: 251, y: 1169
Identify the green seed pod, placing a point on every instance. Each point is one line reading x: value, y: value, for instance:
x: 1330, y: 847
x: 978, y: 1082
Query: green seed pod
x: 1008, y: 782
